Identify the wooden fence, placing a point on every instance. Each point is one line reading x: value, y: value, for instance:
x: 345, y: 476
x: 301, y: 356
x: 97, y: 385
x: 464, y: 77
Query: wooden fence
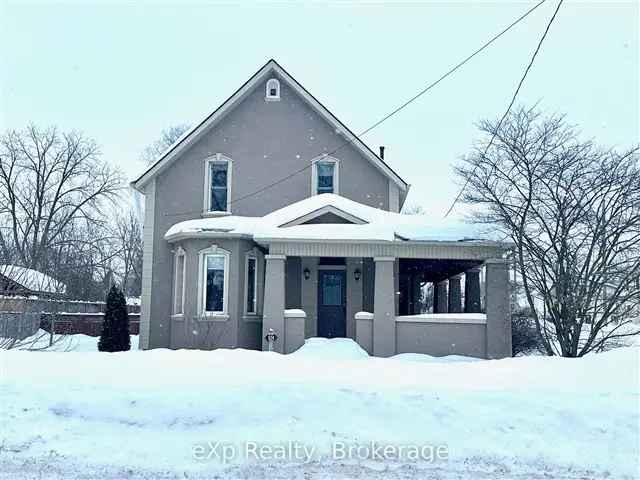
x: 22, y: 317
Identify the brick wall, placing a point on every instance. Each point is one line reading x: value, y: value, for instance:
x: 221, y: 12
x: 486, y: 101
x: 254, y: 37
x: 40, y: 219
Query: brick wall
x: 87, y: 324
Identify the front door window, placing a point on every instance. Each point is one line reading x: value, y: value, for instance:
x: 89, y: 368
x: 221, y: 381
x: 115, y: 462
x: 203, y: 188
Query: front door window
x: 332, y: 289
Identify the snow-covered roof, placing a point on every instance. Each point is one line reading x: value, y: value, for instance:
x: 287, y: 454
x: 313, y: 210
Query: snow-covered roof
x: 32, y: 279
x: 270, y: 68
x: 374, y: 225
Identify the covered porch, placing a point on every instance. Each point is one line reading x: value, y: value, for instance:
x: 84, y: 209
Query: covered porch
x: 431, y: 297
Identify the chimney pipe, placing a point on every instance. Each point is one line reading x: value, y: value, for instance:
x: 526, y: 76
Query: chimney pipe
x: 382, y: 152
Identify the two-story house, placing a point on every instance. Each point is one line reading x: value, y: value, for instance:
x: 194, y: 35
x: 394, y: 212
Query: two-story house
x: 270, y: 222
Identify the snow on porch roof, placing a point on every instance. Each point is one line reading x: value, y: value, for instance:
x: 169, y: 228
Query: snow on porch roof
x: 379, y: 225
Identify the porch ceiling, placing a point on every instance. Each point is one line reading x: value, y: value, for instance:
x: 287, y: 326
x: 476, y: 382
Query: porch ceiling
x: 435, y: 270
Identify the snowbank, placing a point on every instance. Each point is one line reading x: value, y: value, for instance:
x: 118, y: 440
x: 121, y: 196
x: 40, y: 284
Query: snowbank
x: 530, y: 417
x: 421, y: 357
x: 330, y: 349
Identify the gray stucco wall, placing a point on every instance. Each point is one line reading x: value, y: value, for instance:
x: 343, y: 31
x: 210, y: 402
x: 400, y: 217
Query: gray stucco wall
x: 266, y: 141
x: 309, y: 289
x: 440, y: 339
x: 368, y: 284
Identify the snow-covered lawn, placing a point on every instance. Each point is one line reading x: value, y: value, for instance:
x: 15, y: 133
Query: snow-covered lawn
x: 65, y: 343
x: 152, y: 414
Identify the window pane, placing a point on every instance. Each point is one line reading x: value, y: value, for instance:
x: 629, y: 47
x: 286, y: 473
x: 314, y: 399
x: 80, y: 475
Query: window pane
x: 331, y: 289
x: 219, y: 175
x: 214, y: 297
x: 218, y: 199
x: 325, y: 177
x: 179, y: 284
x: 218, y: 187
x: 251, y: 285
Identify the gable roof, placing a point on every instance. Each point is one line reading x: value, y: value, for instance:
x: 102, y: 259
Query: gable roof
x: 196, y: 132
x: 321, y: 212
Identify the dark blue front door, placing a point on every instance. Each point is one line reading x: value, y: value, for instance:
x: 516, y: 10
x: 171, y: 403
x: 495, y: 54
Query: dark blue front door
x: 332, y: 303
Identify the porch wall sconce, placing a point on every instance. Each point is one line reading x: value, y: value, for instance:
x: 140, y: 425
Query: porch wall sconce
x: 357, y: 274
x: 307, y: 273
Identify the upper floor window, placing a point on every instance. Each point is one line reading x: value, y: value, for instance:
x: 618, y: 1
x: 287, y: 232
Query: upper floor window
x: 325, y: 175
x: 273, y: 89
x: 217, y: 184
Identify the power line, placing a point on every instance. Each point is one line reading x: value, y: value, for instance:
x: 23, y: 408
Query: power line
x: 513, y: 99
x: 401, y: 107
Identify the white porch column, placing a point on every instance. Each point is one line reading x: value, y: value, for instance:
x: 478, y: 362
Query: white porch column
x: 384, y: 308
x: 273, y: 310
x: 498, y: 309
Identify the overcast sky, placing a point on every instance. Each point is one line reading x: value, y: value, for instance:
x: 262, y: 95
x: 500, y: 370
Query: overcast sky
x: 123, y: 71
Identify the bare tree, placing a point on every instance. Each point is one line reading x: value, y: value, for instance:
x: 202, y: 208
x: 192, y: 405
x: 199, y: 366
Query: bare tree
x: 168, y: 137
x: 81, y: 259
x: 413, y: 209
x: 573, y: 212
x: 128, y: 237
x: 49, y: 181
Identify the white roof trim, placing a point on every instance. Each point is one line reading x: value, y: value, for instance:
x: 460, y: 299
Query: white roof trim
x: 322, y: 211
x: 199, y: 129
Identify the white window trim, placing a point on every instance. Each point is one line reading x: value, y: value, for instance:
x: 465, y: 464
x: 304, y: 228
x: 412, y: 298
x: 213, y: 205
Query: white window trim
x: 314, y: 173
x: 202, y: 282
x: 251, y: 255
x: 217, y: 158
x: 179, y: 253
x: 267, y: 95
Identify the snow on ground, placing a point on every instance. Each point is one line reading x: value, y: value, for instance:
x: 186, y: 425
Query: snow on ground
x: 150, y: 414
x: 330, y: 349
x: 420, y: 357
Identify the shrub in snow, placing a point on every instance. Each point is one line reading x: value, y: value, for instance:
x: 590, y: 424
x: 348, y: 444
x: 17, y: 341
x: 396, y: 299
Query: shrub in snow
x: 524, y: 336
x: 115, y: 327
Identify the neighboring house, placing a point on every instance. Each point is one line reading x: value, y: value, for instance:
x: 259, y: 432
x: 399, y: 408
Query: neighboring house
x: 270, y: 222
x: 15, y: 280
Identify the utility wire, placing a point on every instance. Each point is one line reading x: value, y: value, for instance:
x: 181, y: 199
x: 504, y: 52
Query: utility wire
x: 405, y: 104
x: 513, y: 99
